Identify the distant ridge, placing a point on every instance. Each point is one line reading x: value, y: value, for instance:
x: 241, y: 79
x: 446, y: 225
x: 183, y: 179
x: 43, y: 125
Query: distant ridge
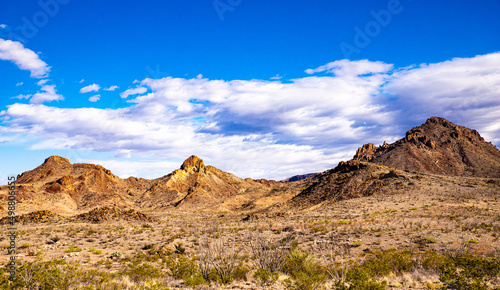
x: 438, y: 147
x: 298, y: 177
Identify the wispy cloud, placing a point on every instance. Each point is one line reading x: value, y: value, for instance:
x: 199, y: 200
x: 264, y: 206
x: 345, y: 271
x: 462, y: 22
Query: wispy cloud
x: 90, y: 88
x: 133, y: 91
x: 24, y: 58
x: 111, y: 88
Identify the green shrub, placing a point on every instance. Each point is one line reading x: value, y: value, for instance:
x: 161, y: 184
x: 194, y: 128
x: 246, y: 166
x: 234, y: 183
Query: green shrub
x: 116, y: 254
x: 431, y: 241
x: 240, y: 272
x: 383, y: 263
x: 360, y: 279
x: 305, y: 272
x: 182, y: 267
x: 468, y: 272
x: 139, y: 273
x: 431, y: 260
x: 73, y: 249
x: 265, y: 277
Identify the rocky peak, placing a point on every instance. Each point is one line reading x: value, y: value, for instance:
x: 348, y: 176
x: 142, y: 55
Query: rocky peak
x: 363, y: 152
x: 57, y: 160
x: 193, y: 164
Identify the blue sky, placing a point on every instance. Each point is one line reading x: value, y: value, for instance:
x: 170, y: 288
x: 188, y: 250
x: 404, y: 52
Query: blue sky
x: 258, y: 88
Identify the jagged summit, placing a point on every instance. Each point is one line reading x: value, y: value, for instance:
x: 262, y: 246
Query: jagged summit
x: 438, y: 146
x: 57, y: 160
x: 193, y: 164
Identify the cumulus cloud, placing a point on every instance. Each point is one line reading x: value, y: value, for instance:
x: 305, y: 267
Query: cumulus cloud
x: 3, y: 25
x: 19, y: 84
x: 95, y: 98
x: 24, y: 58
x: 111, y: 88
x: 90, y: 88
x: 47, y: 94
x: 271, y: 129
x: 133, y: 91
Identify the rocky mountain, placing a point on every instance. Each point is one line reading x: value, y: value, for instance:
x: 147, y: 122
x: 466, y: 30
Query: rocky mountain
x: 439, y: 147
x: 200, y: 186
x: 348, y: 180
x: 68, y: 187
x: 63, y: 187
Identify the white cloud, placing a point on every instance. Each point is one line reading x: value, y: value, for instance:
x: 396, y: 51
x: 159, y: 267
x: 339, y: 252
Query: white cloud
x: 346, y: 67
x: 133, y: 91
x: 270, y: 129
x: 81, y: 81
x: 3, y: 26
x: 90, y: 88
x: 42, y: 82
x: 19, y: 84
x: 95, y: 98
x: 111, y: 88
x: 277, y: 77
x: 21, y: 97
x: 47, y: 94
x: 24, y: 58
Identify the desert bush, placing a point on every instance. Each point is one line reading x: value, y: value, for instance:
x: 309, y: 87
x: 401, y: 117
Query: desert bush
x: 54, y: 274
x: 305, y: 272
x: 360, y: 279
x: 265, y: 277
x: 218, y: 256
x: 141, y: 272
x: 269, y: 253
x: 431, y: 260
x: 336, y: 266
x: 383, y: 263
x: 116, y: 254
x: 468, y: 272
x: 182, y: 267
x: 73, y: 249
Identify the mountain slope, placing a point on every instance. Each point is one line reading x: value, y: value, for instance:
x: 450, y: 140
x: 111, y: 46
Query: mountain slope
x: 439, y: 147
x: 68, y: 187
x: 348, y: 180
